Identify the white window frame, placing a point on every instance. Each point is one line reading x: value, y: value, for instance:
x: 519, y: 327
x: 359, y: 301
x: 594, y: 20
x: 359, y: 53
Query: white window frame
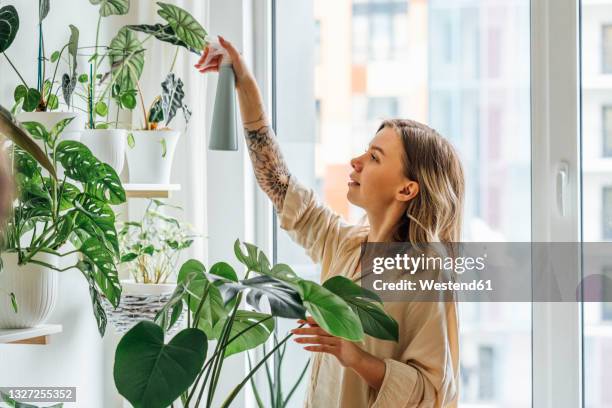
x: 557, y: 365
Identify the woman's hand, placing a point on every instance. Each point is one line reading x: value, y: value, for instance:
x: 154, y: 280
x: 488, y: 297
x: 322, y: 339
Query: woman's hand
x: 212, y: 56
x: 370, y: 368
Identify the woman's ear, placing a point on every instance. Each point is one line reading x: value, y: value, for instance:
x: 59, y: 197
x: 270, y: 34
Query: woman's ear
x: 409, y: 190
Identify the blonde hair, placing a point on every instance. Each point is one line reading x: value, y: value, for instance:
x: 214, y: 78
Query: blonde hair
x: 436, y: 213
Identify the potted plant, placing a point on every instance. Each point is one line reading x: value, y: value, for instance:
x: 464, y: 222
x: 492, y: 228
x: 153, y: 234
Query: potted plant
x: 54, y: 218
x: 151, y: 149
x: 145, y: 369
x: 103, y: 134
x: 150, y: 249
x: 41, y: 103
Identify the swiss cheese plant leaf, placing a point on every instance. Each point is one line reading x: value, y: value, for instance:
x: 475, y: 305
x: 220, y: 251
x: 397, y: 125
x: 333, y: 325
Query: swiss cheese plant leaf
x: 106, y: 275
x: 367, y: 305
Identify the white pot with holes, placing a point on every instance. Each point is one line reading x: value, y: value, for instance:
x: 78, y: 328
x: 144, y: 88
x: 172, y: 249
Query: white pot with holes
x: 108, y: 145
x: 150, y: 154
x: 35, y: 289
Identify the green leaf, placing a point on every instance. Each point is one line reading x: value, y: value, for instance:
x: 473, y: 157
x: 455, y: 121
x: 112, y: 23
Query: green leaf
x: 163, y: 33
x: 55, y: 56
x: 156, y: 113
x: 130, y: 256
x: 32, y: 100
x: 332, y: 313
x: 254, y: 329
x: 130, y: 140
x: 126, y: 58
x: 112, y: 7
x: 37, y: 131
x: 88, y: 270
x: 107, y: 186
x: 14, y: 303
x: 101, y: 108
x: 11, y: 129
x: 128, y: 100
x: 68, y: 86
x: 172, y: 309
x: 78, y: 161
x: 21, y: 92
x: 73, y: 47
x: 367, y: 305
x: 151, y: 374
x: 283, y: 299
x: 43, y: 9
x: 83, y: 78
x: 224, y: 270
x: 106, y: 277
x: 184, y: 25
x: 172, y: 96
x: 9, y: 25
x: 52, y: 102
x: 164, y: 147
x: 98, y: 219
x: 58, y: 129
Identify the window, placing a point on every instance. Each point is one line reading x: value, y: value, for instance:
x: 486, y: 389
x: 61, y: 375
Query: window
x: 481, y: 118
x: 606, y: 49
x: 607, y: 131
x: 606, y: 217
x: 377, y: 28
x: 382, y: 107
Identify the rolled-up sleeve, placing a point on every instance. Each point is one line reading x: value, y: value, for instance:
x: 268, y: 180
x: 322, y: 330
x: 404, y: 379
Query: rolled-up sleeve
x: 312, y: 224
x: 427, y: 373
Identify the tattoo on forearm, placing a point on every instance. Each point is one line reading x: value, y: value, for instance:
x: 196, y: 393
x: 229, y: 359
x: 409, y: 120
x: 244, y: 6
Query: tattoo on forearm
x: 270, y: 168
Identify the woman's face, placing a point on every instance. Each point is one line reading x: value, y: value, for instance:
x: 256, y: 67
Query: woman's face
x: 377, y: 179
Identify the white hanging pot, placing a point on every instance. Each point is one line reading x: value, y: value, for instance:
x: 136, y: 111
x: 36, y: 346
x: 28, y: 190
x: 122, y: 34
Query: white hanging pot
x: 108, y: 145
x: 150, y: 154
x: 35, y: 288
x: 140, y: 301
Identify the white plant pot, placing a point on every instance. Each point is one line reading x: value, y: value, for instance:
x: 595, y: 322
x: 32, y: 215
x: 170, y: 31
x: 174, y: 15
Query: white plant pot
x: 140, y: 301
x: 146, y: 159
x: 35, y: 288
x: 108, y: 145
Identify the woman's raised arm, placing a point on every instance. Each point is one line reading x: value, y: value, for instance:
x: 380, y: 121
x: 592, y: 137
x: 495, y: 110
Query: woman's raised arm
x: 270, y: 168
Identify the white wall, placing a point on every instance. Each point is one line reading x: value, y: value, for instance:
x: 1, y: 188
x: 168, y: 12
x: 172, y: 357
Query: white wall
x: 76, y: 357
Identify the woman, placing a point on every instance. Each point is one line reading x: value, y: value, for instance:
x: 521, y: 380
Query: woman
x: 410, y: 183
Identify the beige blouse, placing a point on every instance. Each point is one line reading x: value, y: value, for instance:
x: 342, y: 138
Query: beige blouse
x: 422, y: 369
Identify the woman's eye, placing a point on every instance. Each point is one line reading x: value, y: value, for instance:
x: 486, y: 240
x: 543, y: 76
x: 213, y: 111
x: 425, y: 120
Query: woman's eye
x: 373, y: 157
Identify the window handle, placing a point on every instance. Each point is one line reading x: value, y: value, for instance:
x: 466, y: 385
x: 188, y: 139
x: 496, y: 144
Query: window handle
x: 562, y: 182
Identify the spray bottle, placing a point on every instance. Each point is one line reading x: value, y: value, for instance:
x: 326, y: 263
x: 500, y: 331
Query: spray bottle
x: 223, y: 135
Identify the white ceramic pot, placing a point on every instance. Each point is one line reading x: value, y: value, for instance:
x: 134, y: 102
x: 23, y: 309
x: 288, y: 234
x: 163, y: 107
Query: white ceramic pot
x: 35, y: 288
x: 144, y: 289
x: 108, y: 145
x: 150, y: 158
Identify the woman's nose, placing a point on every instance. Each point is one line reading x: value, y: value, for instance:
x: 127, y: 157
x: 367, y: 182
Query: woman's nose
x: 356, y: 164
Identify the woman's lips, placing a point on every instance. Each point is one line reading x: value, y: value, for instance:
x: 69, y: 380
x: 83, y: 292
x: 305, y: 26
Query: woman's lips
x: 353, y: 183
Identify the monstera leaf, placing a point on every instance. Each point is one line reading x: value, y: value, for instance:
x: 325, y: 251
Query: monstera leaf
x: 10, y: 128
x: 9, y: 25
x: 368, y: 307
x: 106, y: 275
x: 184, y: 25
x: 78, y: 161
x: 172, y: 96
x: 88, y: 270
x: 112, y: 7
x: 163, y: 33
x: 151, y: 374
x: 127, y: 58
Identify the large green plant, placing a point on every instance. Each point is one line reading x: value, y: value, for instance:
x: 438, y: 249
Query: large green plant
x: 44, y: 96
x: 50, y: 212
x: 146, y: 371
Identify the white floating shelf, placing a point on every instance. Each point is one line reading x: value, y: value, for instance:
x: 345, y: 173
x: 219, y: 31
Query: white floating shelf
x: 150, y: 190
x: 34, y: 335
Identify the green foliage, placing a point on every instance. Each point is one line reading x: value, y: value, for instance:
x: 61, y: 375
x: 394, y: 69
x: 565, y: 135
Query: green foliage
x: 81, y: 215
x: 112, y: 7
x: 127, y: 59
x: 145, y: 369
x: 9, y: 25
x: 164, y: 33
x: 184, y: 25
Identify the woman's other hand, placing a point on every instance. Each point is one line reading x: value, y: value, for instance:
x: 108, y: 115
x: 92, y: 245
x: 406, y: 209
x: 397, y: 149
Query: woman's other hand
x: 212, y: 56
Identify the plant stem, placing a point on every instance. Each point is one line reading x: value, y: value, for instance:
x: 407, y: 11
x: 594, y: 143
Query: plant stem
x: 144, y: 109
x: 95, y: 70
x: 15, y: 69
x: 237, y: 389
x: 174, y: 59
